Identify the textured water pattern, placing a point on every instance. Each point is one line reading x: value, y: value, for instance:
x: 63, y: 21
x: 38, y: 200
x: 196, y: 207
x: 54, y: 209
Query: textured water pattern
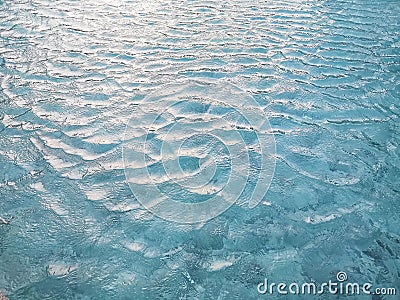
x: 190, y: 151
x: 73, y: 73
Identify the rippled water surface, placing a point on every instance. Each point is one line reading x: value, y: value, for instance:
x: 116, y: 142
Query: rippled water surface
x: 72, y: 75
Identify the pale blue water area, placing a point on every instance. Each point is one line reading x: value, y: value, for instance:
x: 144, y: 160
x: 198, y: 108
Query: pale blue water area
x: 73, y: 73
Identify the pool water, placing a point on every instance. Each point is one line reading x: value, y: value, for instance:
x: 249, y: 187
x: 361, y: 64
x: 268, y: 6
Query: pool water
x: 73, y: 74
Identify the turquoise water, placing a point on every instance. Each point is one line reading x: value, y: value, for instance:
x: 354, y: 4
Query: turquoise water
x: 73, y: 74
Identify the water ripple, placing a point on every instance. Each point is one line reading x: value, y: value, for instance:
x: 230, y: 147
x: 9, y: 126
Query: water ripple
x: 72, y: 75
